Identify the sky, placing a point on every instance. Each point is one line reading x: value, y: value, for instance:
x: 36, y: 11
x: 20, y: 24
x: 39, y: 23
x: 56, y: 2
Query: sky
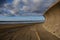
x: 28, y: 5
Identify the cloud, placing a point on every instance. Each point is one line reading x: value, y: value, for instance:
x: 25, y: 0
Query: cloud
x: 16, y: 2
x: 28, y: 6
x: 32, y: 5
